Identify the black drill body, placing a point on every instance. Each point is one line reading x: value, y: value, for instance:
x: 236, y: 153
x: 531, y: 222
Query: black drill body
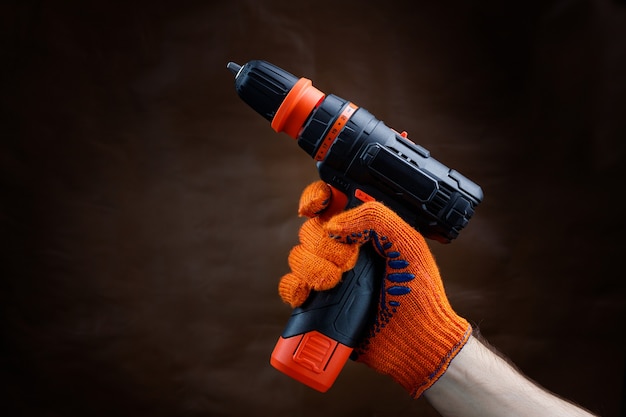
x: 368, y: 155
x: 365, y: 158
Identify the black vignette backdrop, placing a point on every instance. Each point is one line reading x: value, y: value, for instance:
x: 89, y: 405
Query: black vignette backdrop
x: 147, y: 213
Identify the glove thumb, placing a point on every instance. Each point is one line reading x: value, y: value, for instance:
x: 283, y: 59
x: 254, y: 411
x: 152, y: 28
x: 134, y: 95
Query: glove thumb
x: 357, y: 224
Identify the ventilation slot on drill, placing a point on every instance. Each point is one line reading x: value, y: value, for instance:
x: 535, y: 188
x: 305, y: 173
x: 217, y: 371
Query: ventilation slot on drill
x: 401, y: 155
x: 440, y: 200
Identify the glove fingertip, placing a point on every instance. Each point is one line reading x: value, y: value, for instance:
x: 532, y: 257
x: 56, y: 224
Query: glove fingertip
x: 292, y: 290
x: 314, y: 199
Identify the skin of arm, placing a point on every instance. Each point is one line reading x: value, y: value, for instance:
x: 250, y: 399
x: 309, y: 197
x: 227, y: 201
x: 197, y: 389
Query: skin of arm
x: 480, y: 383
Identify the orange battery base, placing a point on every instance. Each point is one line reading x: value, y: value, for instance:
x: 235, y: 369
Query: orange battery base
x: 311, y: 358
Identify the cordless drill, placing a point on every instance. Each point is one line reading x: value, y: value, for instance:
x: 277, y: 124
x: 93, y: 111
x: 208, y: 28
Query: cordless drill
x: 362, y: 160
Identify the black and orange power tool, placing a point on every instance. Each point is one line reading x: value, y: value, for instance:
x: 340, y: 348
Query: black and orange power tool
x: 361, y: 159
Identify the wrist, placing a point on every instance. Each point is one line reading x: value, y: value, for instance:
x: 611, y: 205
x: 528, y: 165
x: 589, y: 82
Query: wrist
x: 481, y: 383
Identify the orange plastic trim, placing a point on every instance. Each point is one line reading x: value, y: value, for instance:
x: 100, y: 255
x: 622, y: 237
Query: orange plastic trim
x: 363, y: 196
x: 296, y: 107
x: 311, y: 358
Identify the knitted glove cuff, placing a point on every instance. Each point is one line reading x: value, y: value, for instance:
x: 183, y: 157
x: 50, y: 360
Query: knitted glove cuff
x: 417, y: 362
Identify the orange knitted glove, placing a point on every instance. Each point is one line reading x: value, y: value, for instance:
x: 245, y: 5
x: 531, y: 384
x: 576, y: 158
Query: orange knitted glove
x: 416, y: 333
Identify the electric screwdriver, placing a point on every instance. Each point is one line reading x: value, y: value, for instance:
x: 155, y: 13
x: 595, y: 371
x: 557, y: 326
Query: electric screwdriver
x: 362, y: 160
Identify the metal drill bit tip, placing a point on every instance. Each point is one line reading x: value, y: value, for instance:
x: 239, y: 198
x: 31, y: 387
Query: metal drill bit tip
x: 234, y: 68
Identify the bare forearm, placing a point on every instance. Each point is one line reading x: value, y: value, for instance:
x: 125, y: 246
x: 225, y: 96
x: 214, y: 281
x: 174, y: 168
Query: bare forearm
x: 480, y: 383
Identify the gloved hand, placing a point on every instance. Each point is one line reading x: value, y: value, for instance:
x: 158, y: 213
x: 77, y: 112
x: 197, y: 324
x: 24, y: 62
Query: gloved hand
x: 416, y: 333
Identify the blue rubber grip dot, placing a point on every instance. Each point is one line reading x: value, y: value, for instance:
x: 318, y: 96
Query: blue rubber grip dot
x: 400, y: 277
x: 398, y: 290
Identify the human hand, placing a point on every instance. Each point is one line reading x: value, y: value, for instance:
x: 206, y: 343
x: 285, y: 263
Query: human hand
x: 416, y: 333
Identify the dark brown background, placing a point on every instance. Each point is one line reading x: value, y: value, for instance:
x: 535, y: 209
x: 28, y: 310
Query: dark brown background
x: 147, y: 212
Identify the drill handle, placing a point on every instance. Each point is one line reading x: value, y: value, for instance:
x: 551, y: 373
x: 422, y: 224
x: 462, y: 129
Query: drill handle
x: 321, y: 334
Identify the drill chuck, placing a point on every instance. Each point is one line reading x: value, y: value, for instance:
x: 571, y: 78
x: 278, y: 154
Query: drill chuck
x: 263, y: 86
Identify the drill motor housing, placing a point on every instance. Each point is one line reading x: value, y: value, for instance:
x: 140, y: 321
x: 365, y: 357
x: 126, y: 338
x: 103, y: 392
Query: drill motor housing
x: 368, y: 159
